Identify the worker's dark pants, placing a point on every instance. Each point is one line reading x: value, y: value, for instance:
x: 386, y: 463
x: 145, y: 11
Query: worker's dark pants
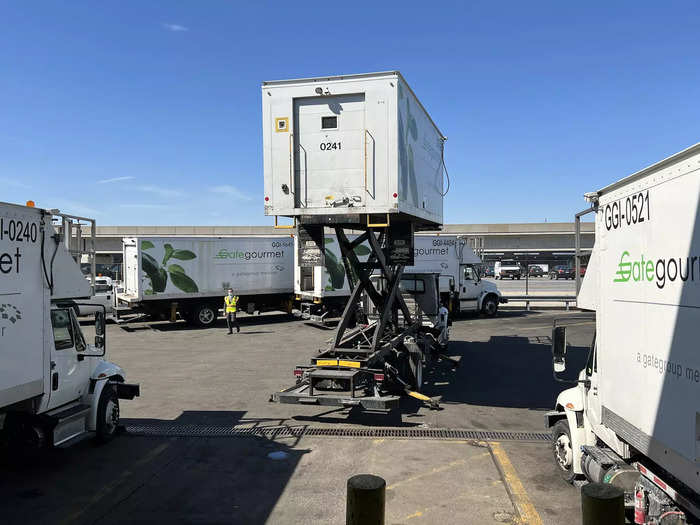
x: 231, y: 321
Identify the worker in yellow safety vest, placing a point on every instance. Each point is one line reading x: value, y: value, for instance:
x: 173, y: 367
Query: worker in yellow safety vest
x: 231, y: 306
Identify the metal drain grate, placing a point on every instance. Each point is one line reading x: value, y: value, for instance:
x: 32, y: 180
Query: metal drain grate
x: 173, y: 430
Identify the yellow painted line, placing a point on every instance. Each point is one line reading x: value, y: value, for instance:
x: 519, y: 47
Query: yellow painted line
x: 521, y: 501
x: 436, y: 470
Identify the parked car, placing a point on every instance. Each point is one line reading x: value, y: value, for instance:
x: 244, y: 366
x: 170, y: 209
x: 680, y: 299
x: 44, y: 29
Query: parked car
x: 562, y: 272
x: 535, y: 271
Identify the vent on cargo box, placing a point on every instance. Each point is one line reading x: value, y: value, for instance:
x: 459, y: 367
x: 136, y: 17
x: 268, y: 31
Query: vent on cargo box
x: 329, y: 122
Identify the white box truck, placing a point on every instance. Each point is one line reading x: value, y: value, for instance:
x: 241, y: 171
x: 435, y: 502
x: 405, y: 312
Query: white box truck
x: 351, y: 147
x: 633, y: 418
x: 323, y: 290
x: 164, y: 276
x: 55, y: 386
x: 507, y: 268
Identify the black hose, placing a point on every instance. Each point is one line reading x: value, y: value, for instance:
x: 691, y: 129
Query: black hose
x: 445, y: 168
x: 43, y: 259
x: 49, y: 281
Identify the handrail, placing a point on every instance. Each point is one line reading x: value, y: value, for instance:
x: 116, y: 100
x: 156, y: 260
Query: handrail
x: 373, y: 173
x: 365, y: 138
x: 377, y: 225
x: 291, y: 163
x: 285, y: 226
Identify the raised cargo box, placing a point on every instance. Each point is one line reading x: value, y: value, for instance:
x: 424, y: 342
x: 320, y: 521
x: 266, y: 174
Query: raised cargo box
x: 352, y: 148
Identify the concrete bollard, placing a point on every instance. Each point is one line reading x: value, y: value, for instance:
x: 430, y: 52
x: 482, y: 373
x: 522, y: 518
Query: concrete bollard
x: 365, y: 503
x: 602, y: 504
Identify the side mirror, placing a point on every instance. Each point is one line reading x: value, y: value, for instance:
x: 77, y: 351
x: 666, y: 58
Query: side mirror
x: 99, y: 341
x: 99, y: 323
x: 559, y: 348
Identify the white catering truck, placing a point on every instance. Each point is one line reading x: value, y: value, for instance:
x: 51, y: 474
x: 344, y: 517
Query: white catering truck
x: 164, y: 276
x: 633, y: 418
x: 323, y: 290
x: 55, y: 386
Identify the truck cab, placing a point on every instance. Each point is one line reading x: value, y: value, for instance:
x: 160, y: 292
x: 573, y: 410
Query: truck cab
x: 55, y: 385
x: 476, y: 294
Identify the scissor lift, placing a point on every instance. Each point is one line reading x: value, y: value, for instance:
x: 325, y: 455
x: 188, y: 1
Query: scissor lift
x: 371, y: 364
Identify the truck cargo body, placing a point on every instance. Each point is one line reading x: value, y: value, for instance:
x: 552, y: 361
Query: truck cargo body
x: 351, y: 146
x: 323, y: 290
x: 190, y: 275
x: 52, y: 381
x: 640, y: 395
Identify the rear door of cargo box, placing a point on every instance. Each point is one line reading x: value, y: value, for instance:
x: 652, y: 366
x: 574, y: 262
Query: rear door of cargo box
x: 329, y: 151
x: 131, y: 267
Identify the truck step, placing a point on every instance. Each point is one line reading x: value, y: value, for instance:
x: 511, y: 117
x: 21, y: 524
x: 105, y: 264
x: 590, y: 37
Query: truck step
x: 69, y: 413
x: 69, y: 423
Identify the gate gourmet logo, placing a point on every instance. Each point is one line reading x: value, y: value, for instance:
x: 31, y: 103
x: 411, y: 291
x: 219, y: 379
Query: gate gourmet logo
x: 660, y: 271
x: 9, y: 315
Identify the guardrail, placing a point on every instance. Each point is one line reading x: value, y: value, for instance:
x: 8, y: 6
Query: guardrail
x: 527, y: 299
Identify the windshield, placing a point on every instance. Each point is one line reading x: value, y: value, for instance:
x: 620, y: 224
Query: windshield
x: 103, y: 288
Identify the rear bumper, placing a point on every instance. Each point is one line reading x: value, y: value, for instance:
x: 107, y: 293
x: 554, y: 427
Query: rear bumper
x: 297, y: 396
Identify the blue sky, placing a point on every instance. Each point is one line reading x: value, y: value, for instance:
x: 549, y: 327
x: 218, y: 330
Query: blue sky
x: 149, y: 112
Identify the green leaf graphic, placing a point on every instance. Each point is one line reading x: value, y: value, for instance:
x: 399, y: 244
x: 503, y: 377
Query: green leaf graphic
x: 336, y: 271
x: 157, y: 275
x: 168, y: 253
x: 145, y: 245
x: 183, y: 255
x: 160, y: 280
x: 412, y: 128
x: 176, y: 268
x: 361, y: 250
x: 183, y: 282
x: 149, y: 264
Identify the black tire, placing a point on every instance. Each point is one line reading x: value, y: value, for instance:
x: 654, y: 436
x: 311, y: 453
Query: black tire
x: 204, y: 315
x: 518, y: 277
x: 562, y: 450
x: 489, y: 307
x: 416, y: 366
x: 107, y: 415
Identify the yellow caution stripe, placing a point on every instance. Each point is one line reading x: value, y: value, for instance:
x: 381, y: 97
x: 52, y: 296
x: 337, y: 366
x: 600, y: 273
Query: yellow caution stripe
x: 418, y: 395
x: 350, y: 364
x: 327, y: 362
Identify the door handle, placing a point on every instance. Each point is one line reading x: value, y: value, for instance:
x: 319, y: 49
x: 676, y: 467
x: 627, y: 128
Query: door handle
x: 54, y: 381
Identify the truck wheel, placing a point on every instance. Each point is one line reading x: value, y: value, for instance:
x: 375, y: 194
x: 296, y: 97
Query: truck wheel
x: 518, y: 277
x: 563, y: 451
x: 107, y: 415
x: 416, y: 364
x: 204, y: 315
x: 490, y: 306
